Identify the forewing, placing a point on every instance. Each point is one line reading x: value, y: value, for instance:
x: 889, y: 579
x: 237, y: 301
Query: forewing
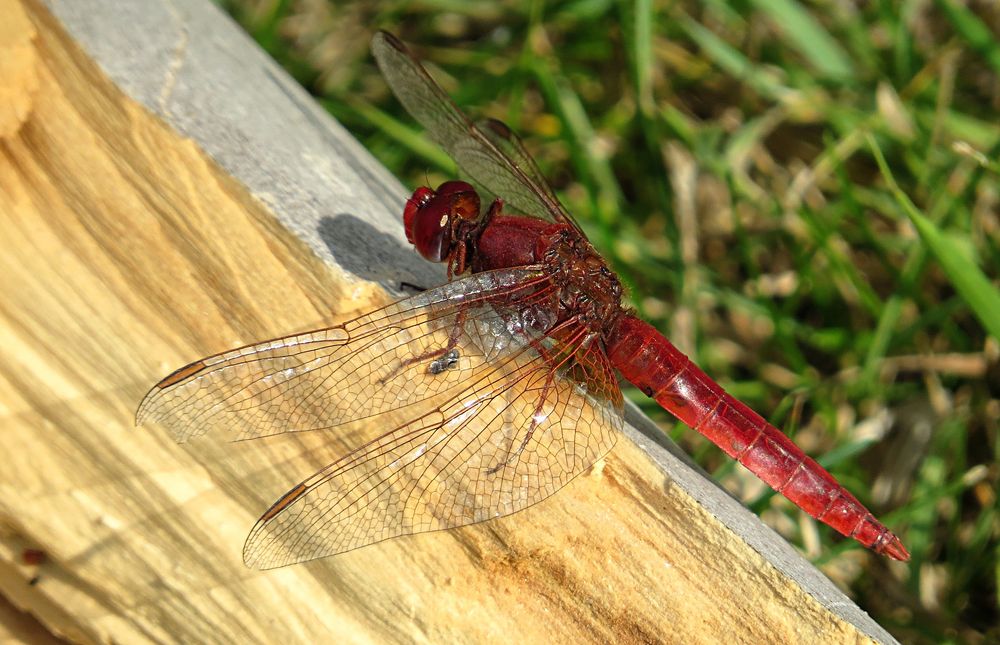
x: 373, y: 364
x: 524, y: 424
x: 507, y: 141
x: 476, y: 152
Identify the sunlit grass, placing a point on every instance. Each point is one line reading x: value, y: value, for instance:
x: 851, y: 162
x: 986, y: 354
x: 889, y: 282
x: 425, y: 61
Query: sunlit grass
x: 803, y: 197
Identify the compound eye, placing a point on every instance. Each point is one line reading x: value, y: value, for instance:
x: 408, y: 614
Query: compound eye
x: 455, y: 186
x: 464, y: 199
x: 416, y: 202
x: 429, y: 228
x: 430, y: 216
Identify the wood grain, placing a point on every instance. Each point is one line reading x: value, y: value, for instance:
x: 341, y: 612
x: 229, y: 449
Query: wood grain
x: 126, y: 252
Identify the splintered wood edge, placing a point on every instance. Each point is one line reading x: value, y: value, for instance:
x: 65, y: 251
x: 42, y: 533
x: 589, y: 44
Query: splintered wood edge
x: 198, y: 72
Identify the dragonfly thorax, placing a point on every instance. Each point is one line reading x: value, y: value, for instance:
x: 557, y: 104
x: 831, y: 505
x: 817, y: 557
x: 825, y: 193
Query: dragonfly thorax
x: 588, y: 289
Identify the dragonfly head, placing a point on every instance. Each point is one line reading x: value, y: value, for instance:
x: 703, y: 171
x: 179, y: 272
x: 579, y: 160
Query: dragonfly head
x: 431, y: 217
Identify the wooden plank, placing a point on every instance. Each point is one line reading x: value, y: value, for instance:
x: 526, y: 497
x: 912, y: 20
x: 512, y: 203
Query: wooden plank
x: 166, y: 193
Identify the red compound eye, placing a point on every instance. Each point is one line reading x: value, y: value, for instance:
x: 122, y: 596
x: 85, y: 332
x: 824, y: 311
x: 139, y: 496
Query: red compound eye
x: 416, y: 201
x: 429, y: 216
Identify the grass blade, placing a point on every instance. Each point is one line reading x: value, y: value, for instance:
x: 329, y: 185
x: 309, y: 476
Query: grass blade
x: 969, y: 281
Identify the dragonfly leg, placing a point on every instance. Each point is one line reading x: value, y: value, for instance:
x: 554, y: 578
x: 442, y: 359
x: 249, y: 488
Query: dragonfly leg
x: 493, y: 211
x: 571, y: 332
x: 465, y: 235
x: 457, y: 264
x: 444, y: 362
x: 537, y: 416
x: 440, y: 359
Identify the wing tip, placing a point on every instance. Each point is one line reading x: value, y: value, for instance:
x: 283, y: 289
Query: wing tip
x: 383, y: 38
x: 144, y: 413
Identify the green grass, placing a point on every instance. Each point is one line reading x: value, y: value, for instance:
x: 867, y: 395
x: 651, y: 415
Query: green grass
x: 803, y: 196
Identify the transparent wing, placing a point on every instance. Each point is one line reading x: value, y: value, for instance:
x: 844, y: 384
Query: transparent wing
x: 492, y: 157
x: 507, y: 141
x: 519, y: 428
x: 502, y: 407
x: 373, y: 364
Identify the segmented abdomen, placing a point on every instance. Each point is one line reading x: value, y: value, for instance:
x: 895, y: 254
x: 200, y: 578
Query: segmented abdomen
x: 654, y: 365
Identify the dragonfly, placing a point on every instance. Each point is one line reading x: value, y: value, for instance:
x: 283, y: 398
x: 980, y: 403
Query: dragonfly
x: 487, y: 394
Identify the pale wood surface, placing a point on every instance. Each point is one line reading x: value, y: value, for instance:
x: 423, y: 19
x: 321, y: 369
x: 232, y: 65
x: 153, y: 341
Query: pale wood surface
x: 129, y: 249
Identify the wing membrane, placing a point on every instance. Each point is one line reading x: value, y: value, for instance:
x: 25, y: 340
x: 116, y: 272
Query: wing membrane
x: 507, y: 141
x: 482, y: 155
x: 370, y: 365
x: 504, y: 405
x: 518, y: 430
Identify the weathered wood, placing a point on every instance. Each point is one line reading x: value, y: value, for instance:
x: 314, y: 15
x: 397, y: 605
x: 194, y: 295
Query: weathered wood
x: 166, y: 193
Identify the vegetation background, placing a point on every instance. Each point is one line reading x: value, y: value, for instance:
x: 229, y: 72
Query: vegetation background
x: 803, y: 196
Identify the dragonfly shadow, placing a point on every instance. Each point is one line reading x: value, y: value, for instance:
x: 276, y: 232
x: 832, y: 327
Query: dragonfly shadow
x: 651, y: 439
x: 373, y: 255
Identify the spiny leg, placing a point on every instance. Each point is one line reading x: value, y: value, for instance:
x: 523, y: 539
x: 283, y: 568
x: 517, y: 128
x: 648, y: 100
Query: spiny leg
x: 441, y: 359
x: 566, y: 352
x: 536, y: 415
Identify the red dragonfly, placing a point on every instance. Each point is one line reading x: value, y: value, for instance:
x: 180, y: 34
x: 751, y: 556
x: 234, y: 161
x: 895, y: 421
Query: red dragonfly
x: 492, y: 391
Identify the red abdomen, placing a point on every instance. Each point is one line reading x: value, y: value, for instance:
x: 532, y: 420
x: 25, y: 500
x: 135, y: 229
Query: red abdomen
x: 655, y: 366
